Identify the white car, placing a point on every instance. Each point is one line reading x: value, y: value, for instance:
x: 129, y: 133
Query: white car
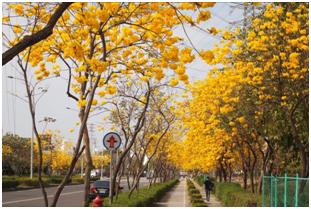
x: 93, y: 173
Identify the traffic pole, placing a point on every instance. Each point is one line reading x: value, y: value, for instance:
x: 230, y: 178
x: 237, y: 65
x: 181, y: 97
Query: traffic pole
x: 31, y: 155
x: 110, y: 173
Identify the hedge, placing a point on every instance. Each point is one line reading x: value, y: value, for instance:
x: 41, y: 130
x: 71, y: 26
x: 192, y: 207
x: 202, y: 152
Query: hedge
x: 233, y: 195
x: 77, y: 179
x: 9, y: 183
x: 195, y: 195
x: 144, y: 197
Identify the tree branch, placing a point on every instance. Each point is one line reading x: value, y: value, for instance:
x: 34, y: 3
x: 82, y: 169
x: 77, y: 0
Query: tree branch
x: 37, y: 37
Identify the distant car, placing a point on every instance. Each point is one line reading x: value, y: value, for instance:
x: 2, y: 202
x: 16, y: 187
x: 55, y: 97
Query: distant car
x: 93, y: 173
x: 100, y: 187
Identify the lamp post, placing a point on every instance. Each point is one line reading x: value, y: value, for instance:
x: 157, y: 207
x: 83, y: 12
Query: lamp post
x: 50, y: 147
x: 31, y: 155
x: 32, y: 131
x: 32, y: 135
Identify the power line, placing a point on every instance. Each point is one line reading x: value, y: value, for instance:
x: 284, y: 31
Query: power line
x: 7, y: 100
x: 14, y: 104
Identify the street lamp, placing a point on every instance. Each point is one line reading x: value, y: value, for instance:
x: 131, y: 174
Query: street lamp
x: 32, y: 136
x: 31, y: 155
x: 50, y: 147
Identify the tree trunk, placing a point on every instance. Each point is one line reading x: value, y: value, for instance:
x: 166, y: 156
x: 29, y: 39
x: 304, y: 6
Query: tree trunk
x: 34, y: 127
x: 89, y: 165
x: 77, y: 154
x: 119, y: 180
x: 263, y: 171
x: 67, y: 176
x: 244, y: 178
x: 252, y: 168
x: 138, y: 127
x: 230, y: 173
x: 220, y: 175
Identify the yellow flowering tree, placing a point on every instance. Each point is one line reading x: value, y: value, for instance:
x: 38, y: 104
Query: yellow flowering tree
x: 252, y: 104
x: 100, y: 43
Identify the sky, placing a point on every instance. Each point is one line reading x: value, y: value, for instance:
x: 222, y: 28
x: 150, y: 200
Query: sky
x: 55, y: 103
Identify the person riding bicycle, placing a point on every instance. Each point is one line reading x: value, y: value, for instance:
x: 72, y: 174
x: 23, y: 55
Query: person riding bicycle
x: 208, y: 187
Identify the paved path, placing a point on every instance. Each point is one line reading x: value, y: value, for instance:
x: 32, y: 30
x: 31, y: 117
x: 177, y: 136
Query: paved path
x: 177, y: 197
x: 213, y: 202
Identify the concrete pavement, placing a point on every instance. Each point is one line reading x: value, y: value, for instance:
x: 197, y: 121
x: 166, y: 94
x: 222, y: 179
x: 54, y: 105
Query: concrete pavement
x: 72, y: 196
x: 177, y: 197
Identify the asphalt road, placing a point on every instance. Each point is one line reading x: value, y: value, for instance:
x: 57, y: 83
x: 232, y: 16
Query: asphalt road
x: 72, y: 196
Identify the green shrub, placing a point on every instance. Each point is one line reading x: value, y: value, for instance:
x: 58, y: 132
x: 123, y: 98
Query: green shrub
x: 14, y: 181
x: 199, y: 204
x: 196, y: 200
x: 191, y: 187
x: 9, y: 183
x: 232, y: 194
x: 194, y: 191
x: 144, y: 197
x: 195, y: 195
x: 9, y: 177
x: 55, y: 179
x: 28, y: 182
x: 77, y: 180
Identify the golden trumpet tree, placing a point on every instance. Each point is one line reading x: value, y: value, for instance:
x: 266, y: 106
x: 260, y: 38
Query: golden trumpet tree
x: 100, y: 160
x: 247, y: 112
x: 98, y: 43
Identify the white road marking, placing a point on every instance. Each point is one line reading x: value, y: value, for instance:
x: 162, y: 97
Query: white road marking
x: 29, y: 190
x: 38, y: 198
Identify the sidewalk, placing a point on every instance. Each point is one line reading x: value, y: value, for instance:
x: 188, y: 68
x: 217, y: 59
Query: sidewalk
x: 213, y: 202
x: 177, y: 197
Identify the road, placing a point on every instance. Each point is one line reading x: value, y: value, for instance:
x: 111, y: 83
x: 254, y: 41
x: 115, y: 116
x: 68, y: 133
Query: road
x: 72, y: 196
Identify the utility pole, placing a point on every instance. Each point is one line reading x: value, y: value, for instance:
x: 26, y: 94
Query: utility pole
x: 31, y: 155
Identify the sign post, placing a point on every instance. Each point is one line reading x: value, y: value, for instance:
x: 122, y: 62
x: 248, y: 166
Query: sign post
x: 110, y: 174
x: 112, y: 142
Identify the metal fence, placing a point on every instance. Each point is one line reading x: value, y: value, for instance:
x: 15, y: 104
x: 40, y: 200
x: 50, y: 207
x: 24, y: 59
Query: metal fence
x: 285, y: 191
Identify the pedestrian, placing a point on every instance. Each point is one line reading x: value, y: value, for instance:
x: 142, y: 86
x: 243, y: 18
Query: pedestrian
x: 208, y: 187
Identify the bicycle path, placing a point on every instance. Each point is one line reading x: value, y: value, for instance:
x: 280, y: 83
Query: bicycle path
x: 213, y: 202
x: 176, y: 197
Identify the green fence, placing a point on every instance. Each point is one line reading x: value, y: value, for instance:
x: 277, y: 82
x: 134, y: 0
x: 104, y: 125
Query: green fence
x: 285, y: 191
